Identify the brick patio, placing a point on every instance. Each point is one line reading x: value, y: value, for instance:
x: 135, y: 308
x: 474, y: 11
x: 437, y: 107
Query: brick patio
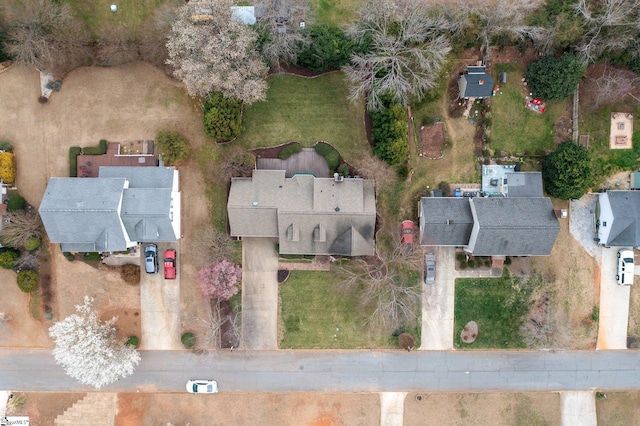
x: 89, y: 165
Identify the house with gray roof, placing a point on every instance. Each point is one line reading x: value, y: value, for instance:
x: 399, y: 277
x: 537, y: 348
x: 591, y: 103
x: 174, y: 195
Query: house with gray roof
x: 308, y: 215
x: 475, y: 83
x: 490, y: 226
x: 512, y: 227
x: 445, y: 221
x: 119, y: 209
x: 619, y: 218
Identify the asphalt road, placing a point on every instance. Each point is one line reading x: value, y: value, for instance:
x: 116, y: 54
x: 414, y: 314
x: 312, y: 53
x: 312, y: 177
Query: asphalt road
x: 344, y: 371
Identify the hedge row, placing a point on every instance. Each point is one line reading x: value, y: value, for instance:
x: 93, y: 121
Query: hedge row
x: 74, y: 151
x: 96, y: 150
x: 289, y: 150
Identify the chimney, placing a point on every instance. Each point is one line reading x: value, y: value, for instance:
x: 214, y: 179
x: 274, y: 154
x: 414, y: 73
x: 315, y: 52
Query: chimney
x: 480, y: 82
x: 561, y: 214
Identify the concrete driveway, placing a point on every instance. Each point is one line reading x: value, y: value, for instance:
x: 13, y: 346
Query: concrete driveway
x: 160, y: 305
x: 614, y: 304
x: 259, y: 294
x: 437, y: 302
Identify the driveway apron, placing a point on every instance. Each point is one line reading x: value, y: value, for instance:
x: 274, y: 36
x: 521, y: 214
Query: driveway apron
x: 259, y: 294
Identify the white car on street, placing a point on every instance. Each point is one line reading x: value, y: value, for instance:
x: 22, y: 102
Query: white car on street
x: 202, y: 386
x: 625, y: 267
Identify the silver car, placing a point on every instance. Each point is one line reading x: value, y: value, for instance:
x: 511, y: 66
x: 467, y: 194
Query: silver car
x: 429, y: 268
x: 151, y: 258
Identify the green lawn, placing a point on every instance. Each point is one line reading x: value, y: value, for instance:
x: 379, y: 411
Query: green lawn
x: 306, y: 110
x: 516, y: 129
x: 130, y: 14
x: 497, y: 305
x: 339, y: 12
x: 317, y: 315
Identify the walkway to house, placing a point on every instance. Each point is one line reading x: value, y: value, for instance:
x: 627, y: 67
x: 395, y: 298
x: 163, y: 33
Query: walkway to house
x: 306, y: 161
x: 259, y: 294
x: 129, y: 153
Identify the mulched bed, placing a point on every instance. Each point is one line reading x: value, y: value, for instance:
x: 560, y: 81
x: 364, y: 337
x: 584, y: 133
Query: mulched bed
x: 283, y: 274
x: 271, y: 152
x: 432, y: 140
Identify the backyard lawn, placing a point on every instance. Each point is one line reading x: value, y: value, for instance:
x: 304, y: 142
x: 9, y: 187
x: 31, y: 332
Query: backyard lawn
x: 516, y: 129
x: 497, y: 305
x: 97, y: 13
x: 339, y: 12
x: 306, y: 110
x: 317, y: 315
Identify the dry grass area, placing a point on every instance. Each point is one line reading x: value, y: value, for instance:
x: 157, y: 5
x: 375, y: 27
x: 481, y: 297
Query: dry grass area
x: 264, y: 409
x: 619, y: 409
x: 42, y: 408
x: 572, y: 280
x: 470, y: 409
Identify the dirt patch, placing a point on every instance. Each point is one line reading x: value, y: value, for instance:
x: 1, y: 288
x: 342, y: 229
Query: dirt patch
x: 42, y: 408
x: 482, y: 409
x: 267, y: 409
x: 564, y: 126
x: 432, y: 140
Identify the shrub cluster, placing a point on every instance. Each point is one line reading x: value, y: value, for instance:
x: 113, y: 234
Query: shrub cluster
x: 389, y: 134
x: 6, y: 146
x: 7, y: 167
x: 16, y: 202
x: 9, y: 258
x: 188, y: 340
x: 133, y: 341
x: 27, y: 281
x: 222, y: 117
x: 173, y: 145
x: 329, y: 153
x: 289, y: 150
x: 32, y: 243
x: 68, y: 256
x: 328, y: 47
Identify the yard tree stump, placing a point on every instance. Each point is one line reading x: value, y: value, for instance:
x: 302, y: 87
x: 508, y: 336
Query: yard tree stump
x: 469, y: 332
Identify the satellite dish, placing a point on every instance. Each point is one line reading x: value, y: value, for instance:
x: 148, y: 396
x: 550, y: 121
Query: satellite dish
x: 114, y: 8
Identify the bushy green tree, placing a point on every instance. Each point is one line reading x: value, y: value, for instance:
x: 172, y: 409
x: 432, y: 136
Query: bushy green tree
x: 552, y: 78
x: 8, y: 258
x: 389, y: 134
x: 222, y: 117
x: 566, y: 172
x: 27, y: 280
x: 173, y: 145
x: 328, y: 47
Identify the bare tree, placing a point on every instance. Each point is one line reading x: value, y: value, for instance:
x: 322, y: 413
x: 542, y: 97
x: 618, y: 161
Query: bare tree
x: 116, y: 45
x: 388, y: 286
x: 212, y: 51
x: 46, y: 34
x: 407, y: 52
x: 612, y: 25
x: 371, y: 167
x: 491, y: 19
x: 23, y: 224
x: 280, y: 23
x: 212, y: 246
x: 209, y: 330
x: 613, y: 86
x: 154, y: 31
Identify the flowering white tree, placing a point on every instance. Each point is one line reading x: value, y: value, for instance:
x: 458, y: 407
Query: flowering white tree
x: 88, y: 349
x: 220, y: 280
x: 212, y: 51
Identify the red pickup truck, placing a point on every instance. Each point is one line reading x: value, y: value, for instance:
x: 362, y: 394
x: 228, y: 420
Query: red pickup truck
x: 170, y: 264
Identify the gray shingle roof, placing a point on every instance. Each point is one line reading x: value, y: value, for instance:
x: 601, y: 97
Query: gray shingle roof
x: 513, y: 227
x: 309, y: 215
x: 121, y: 207
x: 447, y: 221
x: 625, y: 229
x: 470, y: 87
x: 79, y: 211
x: 524, y: 184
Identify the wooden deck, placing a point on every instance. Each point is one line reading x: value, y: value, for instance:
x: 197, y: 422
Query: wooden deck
x: 89, y: 165
x: 306, y: 161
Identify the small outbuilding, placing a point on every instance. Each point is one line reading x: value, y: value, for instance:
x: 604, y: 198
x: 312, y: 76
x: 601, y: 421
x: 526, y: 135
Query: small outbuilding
x: 475, y: 83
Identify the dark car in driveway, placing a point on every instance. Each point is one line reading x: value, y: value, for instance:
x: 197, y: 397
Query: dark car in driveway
x: 151, y: 258
x: 429, y: 268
